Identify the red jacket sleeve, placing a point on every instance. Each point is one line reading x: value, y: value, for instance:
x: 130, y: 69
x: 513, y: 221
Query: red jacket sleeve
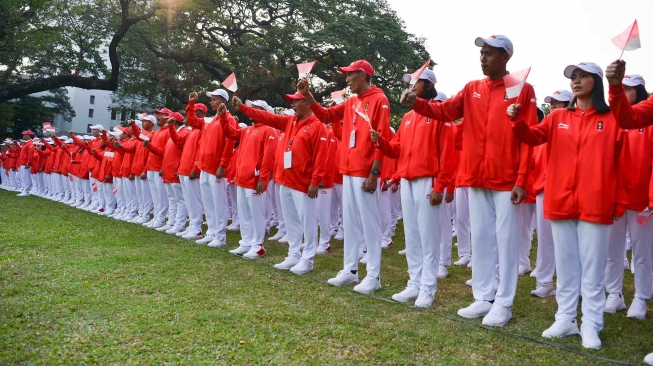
x: 448, y: 163
x: 391, y: 148
x: 267, y: 118
x: 269, y: 148
x: 177, y: 139
x: 191, y: 117
x: 529, y: 113
x: 533, y: 135
x: 230, y: 130
x: 449, y: 110
x: 624, y: 173
x: 332, y: 114
x: 337, y: 129
x: 627, y: 116
x: 129, y: 147
x: 330, y: 159
x: 320, y: 155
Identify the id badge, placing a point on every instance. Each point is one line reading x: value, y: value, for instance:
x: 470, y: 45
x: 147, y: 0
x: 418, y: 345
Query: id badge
x: 257, y: 172
x: 352, y: 139
x: 287, y: 160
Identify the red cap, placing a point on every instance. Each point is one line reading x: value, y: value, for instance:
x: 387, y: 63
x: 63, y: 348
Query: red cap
x: 360, y: 65
x: 124, y: 129
x: 296, y: 96
x: 28, y: 132
x: 165, y: 111
x: 201, y: 107
x: 175, y: 115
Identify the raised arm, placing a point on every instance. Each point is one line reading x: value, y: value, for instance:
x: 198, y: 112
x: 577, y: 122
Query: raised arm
x: 230, y: 131
x: 267, y: 118
x: 321, y: 155
x: 449, y: 110
x: 192, y: 119
x: 179, y: 140
x: 269, y: 148
x: 627, y: 116
x: 448, y: 163
x: 624, y: 173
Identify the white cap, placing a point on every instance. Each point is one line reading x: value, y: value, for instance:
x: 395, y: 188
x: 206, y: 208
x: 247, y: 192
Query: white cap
x: 259, y: 103
x: 590, y: 67
x: 633, y: 80
x: 150, y: 118
x: 242, y: 125
x: 80, y: 136
x: 218, y: 93
x: 70, y: 141
x: 561, y: 96
x: 426, y: 75
x: 288, y: 112
x: 49, y: 140
x: 441, y: 97
x: 270, y: 109
x: 139, y: 123
x: 115, y: 134
x: 89, y: 137
x: 496, y: 41
x: 36, y: 139
x: 97, y: 127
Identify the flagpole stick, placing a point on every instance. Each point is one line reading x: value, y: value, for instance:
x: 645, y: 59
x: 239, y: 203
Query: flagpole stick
x: 632, y: 27
x: 622, y: 54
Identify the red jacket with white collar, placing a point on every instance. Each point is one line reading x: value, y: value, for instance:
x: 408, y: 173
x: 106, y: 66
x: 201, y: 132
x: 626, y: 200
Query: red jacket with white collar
x: 214, y: 149
x: 307, y: 142
x: 587, y: 175
x: 26, y: 154
x: 425, y: 149
x: 640, y: 142
x: 491, y: 156
x: 356, y: 161
x: 188, y: 143
x: 171, y: 154
x: 158, y: 141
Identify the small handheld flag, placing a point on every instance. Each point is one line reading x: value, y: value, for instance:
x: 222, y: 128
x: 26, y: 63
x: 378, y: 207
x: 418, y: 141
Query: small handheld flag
x: 644, y: 216
x: 230, y: 83
x: 628, y: 40
x: 338, y: 96
x: 412, y: 78
x: 305, y: 69
x: 515, y: 82
x: 115, y: 190
x: 145, y: 136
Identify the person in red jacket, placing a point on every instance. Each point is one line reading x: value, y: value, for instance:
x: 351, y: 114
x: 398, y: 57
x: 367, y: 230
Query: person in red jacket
x: 336, y: 230
x: 495, y: 166
x: 24, y: 163
x: 116, y: 168
x: 325, y: 196
x: 424, y: 155
x: 97, y: 197
x: 545, y: 260
x: 360, y: 163
x: 145, y: 122
x: 305, y: 148
x: 640, y: 141
x: 158, y: 138
x: 171, y: 154
x: 582, y: 140
x: 257, y: 145
x: 104, y: 157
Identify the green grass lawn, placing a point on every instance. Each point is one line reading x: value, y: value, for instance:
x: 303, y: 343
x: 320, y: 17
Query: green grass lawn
x: 79, y: 288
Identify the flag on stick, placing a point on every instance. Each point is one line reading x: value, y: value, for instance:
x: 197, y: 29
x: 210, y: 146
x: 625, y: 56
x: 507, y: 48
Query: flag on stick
x: 338, y: 96
x: 230, y: 83
x: 305, y: 69
x: 515, y: 82
x: 628, y: 40
x: 412, y: 78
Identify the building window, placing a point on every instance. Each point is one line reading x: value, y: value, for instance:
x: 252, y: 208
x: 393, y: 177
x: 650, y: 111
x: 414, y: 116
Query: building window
x: 133, y: 115
x: 92, y: 99
x: 113, y: 114
x: 88, y: 129
x: 123, y: 114
x: 90, y: 113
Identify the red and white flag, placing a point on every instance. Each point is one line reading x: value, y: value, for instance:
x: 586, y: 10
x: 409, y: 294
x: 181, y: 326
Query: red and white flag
x: 644, y: 216
x: 338, y: 96
x: 515, y: 82
x: 115, y: 190
x: 305, y: 69
x: 412, y: 78
x: 94, y: 186
x: 628, y: 40
x: 230, y: 83
x: 145, y: 136
x: 46, y: 124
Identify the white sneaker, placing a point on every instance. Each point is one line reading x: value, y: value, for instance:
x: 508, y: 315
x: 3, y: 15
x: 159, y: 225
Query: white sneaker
x: 590, y: 336
x: 387, y: 246
x: 277, y: 236
x: 23, y: 194
x: 205, y: 240
x: 174, y: 230
x: 233, y: 227
x: 544, y: 290
x: 561, y: 328
x: 191, y: 235
x: 140, y: 220
x: 284, y: 240
x: 240, y: 250
x: 164, y: 228
x: 476, y: 310
x: 364, y: 259
x: 287, y: 263
x: 443, y: 272
x: 402, y: 252
x: 637, y: 309
x: 614, y: 303
x: 254, y: 252
x: 182, y: 233
x: 410, y: 293
x: 463, y: 261
x: 333, y: 233
x: 343, y: 278
x: 301, y: 268
x: 524, y: 269
x: 424, y: 300
x: 368, y: 285
x: 534, y: 273
x: 469, y: 282
x: 340, y: 235
x: 649, y: 359
x: 323, y: 249
x: 498, y: 316
x: 215, y: 243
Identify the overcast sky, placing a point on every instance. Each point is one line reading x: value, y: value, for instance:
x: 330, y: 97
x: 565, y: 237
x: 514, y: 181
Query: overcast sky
x: 547, y: 36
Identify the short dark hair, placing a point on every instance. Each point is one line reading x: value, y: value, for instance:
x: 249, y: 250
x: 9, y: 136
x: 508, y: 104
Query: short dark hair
x: 429, y: 90
x: 598, y: 99
x: 368, y: 78
x: 642, y: 94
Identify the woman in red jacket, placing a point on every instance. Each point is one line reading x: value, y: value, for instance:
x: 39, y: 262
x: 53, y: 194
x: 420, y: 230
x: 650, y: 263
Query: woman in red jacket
x: 586, y: 190
x: 640, y: 142
x: 424, y: 177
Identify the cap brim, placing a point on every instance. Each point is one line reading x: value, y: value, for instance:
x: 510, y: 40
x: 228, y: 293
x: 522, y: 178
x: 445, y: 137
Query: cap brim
x: 547, y: 99
x: 480, y: 41
x: 291, y: 97
x: 627, y: 82
x: 209, y: 94
x: 570, y: 70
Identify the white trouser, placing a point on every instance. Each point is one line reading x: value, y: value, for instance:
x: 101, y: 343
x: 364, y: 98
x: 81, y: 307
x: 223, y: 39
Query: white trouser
x: 492, y: 215
x: 129, y: 194
x: 159, y: 195
x: 214, y: 200
x: 336, y: 207
x: 545, y: 262
x: 25, y: 179
x: 323, y: 212
x: 176, y: 207
x: 641, y: 238
x: 270, y: 205
x: 581, y: 251
x: 524, y: 231
x: 86, y: 188
x: 462, y: 222
x: 233, y: 202
x: 109, y: 197
x: 79, y: 190
x: 251, y: 209
x: 385, y: 216
x: 282, y: 220
x: 395, y: 208
x: 299, y: 213
x: 12, y: 179
x: 362, y: 222
x: 98, y: 195
x: 193, y: 199
x: 422, y: 232
x: 146, y: 204
x: 446, y: 236
x: 120, y: 194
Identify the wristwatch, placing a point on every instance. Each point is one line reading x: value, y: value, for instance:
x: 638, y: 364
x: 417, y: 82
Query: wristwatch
x: 376, y: 172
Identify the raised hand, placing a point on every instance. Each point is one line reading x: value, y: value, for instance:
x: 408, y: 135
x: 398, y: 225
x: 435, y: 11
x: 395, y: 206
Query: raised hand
x: 71, y: 133
x: 375, y: 136
x: 192, y: 97
x: 222, y: 108
x: 408, y: 98
x: 615, y: 72
x: 236, y: 102
x: 303, y: 87
x: 513, y: 111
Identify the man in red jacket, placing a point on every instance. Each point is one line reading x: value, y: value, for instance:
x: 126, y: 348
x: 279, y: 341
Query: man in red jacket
x: 253, y: 168
x: 24, y: 163
x: 495, y: 166
x: 360, y: 163
x: 305, y: 148
x: 139, y: 171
